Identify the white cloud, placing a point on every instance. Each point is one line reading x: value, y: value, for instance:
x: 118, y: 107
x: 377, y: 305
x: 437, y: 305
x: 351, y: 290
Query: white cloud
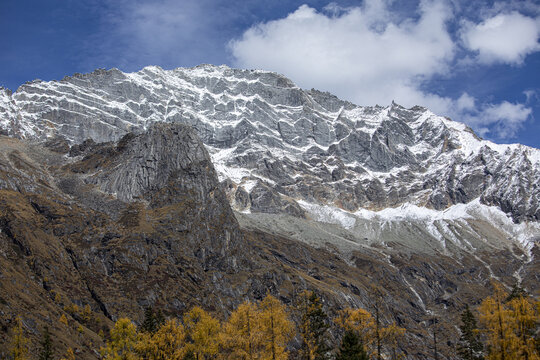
x: 168, y: 33
x: 466, y: 102
x: 501, y: 120
x: 531, y: 96
x: 370, y: 55
x: 360, y: 54
x: 504, y: 38
x: 508, y: 117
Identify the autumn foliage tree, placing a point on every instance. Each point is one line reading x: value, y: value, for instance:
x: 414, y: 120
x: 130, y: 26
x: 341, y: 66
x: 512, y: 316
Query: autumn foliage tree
x: 70, y: 355
x: 167, y: 343
x: 509, y: 326
x: 525, y: 317
x: 122, y: 343
x: 360, y: 322
x: 202, y: 333
x: 497, y: 325
x: 373, y: 337
x: 19, y: 347
x: 276, y: 328
x: 391, y: 336
x: 257, y: 331
x: 241, y: 336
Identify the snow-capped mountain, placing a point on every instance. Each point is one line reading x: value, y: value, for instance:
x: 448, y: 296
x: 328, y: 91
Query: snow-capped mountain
x: 101, y: 204
x: 288, y: 153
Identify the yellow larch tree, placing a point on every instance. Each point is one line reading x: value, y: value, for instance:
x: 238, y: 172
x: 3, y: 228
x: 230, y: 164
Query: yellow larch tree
x: 496, y: 321
x: 373, y: 337
x: 241, y: 336
x: 391, y: 335
x: 63, y: 319
x: 70, y: 355
x: 202, y: 332
x: 122, y: 343
x: 526, y: 320
x: 361, y: 322
x: 277, y: 328
x: 86, y: 313
x: 168, y: 343
x: 19, y: 347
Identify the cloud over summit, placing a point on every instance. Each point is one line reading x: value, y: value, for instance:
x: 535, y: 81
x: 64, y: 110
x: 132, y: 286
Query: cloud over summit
x: 359, y: 54
x: 372, y: 55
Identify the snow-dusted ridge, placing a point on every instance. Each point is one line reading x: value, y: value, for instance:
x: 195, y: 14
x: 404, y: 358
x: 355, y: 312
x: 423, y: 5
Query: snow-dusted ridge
x: 281, y: 147
x: 438, y: 223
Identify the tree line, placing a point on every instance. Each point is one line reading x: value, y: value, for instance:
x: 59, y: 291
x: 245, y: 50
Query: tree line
x: 507, y: 327
x: 504, y: 327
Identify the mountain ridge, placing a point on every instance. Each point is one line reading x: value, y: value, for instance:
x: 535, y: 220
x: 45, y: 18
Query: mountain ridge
x: 327, y: 196
x: 245, y: 115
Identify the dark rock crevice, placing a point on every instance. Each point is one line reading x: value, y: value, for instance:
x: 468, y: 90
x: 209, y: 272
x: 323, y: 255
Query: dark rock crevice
x: 93, y: 294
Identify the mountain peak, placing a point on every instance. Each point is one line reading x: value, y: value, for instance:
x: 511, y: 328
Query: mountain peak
x: 304, y: 145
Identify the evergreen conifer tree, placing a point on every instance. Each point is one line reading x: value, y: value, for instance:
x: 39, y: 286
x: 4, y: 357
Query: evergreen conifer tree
x: 148, y: 325
x: 469, y: 345
x: 189, y: 355
x: 159, y: 319
x: 46, y: 346
x: 516, y: 293
x: 153, y: 320
x: 313, y: 326
x: 351, y: 347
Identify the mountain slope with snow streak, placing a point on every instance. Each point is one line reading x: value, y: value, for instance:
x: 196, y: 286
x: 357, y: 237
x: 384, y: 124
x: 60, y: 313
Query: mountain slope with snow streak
x: 280, y: 149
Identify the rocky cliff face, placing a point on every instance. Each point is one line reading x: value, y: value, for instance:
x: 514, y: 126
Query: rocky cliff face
x: 108, y: 199
x: 285, y: 151
x: 75, y: 230
x: 266, y: 134
x: 116, y: 226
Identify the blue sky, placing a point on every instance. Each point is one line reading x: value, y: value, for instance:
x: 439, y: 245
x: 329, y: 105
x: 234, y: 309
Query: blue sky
x: 479, y: 63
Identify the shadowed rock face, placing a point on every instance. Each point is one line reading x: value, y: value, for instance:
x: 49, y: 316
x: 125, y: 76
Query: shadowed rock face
x: 168, y: 168
x: 165, y: 155
x: 116, y: 226
x: 124, y: 208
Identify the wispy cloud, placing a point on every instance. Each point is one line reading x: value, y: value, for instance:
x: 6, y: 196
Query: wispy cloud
x: 505, y: 38
x: 503, y: 120
x: 169, y: 33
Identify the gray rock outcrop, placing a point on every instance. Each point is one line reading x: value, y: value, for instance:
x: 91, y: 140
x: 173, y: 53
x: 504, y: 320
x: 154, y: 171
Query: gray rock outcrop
x: 304, y: 145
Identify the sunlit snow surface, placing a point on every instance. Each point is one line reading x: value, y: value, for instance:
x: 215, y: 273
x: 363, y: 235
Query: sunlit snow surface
x: 436, y: 222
